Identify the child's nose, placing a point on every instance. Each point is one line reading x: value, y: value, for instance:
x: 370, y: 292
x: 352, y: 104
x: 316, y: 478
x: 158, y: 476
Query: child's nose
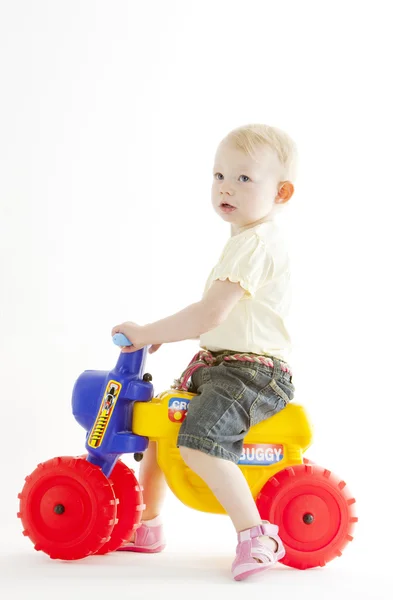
x: 226, y: 188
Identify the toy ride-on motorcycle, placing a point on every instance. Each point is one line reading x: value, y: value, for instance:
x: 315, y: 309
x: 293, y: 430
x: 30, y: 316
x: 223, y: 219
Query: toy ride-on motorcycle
x: 75, y: 506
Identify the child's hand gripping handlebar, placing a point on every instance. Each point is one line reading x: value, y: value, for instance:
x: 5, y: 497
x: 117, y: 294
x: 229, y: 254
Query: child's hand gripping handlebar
x: 121, y: 340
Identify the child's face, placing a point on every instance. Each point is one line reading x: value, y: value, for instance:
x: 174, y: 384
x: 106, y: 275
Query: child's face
x: 249, y: 185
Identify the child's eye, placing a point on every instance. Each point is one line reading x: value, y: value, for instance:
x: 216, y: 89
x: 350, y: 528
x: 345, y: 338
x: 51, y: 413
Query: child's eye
x: 246, y: 178
x: 219, y: 176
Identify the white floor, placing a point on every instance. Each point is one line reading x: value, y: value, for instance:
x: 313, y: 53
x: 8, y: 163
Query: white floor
x: 184, y: 572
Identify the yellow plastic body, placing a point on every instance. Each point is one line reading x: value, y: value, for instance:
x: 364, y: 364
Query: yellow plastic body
x: 290, y: 428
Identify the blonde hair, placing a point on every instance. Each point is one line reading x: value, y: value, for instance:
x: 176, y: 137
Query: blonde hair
x: 249, y: 138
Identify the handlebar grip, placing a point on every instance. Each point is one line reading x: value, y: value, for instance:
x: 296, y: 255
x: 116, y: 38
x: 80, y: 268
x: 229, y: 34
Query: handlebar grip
x: 121, y: 340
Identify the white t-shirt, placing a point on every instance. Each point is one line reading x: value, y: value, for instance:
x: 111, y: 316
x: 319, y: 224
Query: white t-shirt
x: 257, y: 258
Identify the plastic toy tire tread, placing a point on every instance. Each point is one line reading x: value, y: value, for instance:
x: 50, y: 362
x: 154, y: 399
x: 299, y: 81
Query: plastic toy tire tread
x: 314, y: 511
x: 129, y: 508
x: 67, y: 508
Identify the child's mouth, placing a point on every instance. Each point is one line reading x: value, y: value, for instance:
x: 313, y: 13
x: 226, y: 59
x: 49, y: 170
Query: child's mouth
x: 227, y: 207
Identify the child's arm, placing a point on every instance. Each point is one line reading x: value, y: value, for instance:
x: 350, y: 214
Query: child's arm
x: 190, y: 322
x: 186, y: 324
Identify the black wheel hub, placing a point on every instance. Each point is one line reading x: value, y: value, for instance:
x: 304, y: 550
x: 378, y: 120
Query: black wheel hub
x: 308, y: 518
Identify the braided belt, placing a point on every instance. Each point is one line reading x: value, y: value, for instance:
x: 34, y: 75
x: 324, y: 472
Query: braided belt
x: 205, y: 358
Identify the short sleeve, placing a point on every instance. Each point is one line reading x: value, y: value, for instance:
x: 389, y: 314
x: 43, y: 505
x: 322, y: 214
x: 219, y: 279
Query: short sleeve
x: 244, y: 261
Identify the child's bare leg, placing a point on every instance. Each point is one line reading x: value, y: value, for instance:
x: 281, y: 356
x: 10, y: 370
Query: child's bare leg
x: 230, y: 487
x: 153, y: 482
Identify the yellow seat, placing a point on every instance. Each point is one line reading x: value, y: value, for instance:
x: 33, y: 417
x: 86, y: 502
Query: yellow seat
x: 290, y: 425
x: 288, y: 434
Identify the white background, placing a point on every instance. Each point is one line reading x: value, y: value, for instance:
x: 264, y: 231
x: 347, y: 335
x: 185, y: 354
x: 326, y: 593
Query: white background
x: 110, y: 114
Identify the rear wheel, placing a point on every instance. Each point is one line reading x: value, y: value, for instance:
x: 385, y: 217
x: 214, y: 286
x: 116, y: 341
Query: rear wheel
x: 67, y: 508
x: 314, y: 511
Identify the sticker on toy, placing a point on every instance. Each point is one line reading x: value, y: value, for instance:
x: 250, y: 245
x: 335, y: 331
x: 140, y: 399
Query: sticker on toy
x: 104, y: 414
x: 261, y: 454
x: 177, y: 410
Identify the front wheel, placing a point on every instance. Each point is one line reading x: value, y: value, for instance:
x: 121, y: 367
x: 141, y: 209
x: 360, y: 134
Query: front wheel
x: 129, y: 509
x: 314, y: 511
x: 67, y: 508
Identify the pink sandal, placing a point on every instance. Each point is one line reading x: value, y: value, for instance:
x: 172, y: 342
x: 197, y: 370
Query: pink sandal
x: 147, y: 539
x: 249, y: 548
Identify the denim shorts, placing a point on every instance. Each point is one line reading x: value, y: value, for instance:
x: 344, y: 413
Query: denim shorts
x: 231, y: 397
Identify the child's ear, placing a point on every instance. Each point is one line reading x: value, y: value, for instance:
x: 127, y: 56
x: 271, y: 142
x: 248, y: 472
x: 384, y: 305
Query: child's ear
x: 285, y: 192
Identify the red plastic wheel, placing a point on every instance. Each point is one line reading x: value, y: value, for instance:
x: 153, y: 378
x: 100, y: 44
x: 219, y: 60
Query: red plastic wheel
x: 130, y: 507
x: 67, y: 508
x: 314, y: 511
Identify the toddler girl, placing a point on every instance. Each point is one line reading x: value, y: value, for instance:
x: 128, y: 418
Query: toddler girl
x: 240, y: 376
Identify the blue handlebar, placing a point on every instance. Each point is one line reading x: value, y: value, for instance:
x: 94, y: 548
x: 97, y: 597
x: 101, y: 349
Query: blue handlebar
x: 121, y: 340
